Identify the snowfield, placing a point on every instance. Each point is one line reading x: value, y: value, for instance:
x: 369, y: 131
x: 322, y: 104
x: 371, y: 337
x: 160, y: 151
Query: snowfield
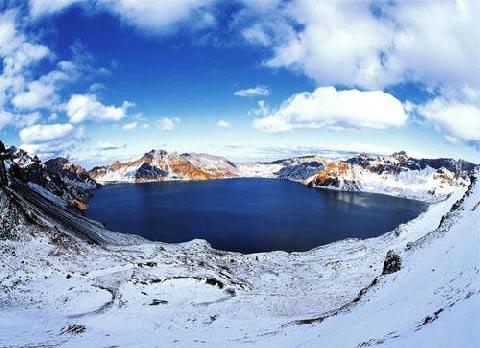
x: 59, y: 290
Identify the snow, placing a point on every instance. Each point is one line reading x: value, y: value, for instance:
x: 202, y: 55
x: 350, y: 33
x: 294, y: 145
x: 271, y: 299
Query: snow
x: 426, y: 185
x: 117, y: 294
x: 47, y: 194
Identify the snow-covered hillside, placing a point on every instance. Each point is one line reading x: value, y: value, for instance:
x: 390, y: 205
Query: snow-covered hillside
x: 57, y: 179
x: 67, y: 281
x: 159, y: 165
x: 397, y: 175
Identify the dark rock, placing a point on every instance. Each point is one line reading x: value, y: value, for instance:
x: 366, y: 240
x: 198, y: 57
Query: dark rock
x: 156, y: 302
x: 149, y: 172
x: 214, y: 282
x: 74, y: 329
x: 392, y: 263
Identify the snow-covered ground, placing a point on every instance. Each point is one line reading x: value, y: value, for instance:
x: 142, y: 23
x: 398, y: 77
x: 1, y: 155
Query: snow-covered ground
x: 55, y: 289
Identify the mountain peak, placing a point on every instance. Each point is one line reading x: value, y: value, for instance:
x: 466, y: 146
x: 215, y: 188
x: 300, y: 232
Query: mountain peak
x: 400, y: 156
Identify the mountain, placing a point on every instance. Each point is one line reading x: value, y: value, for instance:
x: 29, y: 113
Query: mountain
x: 396, y: 175
x: 159, y: 165
x: 417, y: 285
x: 296, y: 168
x: 57, y: 179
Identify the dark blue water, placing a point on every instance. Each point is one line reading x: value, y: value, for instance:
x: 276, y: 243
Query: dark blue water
x: 248, y: 215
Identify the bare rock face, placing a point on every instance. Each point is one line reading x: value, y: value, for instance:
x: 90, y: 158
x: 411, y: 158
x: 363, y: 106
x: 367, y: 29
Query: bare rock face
x: 338, y: 174
x: 70, y: 172
x: 392, y: 263
x: 300, y: 168
x: 397, y: 175
x: 160, y: 165
x: 60, y: 178
x: 147, y: 172
x: 3, y: 171
x: 400, y: 162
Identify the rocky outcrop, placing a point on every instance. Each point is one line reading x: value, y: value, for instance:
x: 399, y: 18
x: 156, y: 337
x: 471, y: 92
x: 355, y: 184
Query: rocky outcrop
x: 396, y: 175
x: 335, y: 175
x: 70, y: 172
x: 59, y: 178
x: 300, y: 168
x: 400, y: 162
x: 392, y: 263
x: 160, y: 165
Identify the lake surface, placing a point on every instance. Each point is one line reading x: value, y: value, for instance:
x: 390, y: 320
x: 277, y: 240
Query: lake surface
x: 248, y: 215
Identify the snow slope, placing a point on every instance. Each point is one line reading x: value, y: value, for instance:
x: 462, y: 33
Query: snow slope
x: 159, y: 165
x: 397, y: 175
x: 155, y: 294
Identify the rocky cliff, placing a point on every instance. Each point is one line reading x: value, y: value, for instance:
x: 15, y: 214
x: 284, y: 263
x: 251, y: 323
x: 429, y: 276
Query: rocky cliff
x: 160, y: 165
x: 397, y: 175
x: 57, y: 179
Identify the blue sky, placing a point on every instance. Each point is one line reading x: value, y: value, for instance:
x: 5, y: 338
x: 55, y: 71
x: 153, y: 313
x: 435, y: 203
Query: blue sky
x: 248, y: 80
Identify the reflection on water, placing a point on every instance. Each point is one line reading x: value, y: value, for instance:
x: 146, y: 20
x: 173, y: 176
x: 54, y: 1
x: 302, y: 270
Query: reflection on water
x: 349, y: 197
x: 248, y: 215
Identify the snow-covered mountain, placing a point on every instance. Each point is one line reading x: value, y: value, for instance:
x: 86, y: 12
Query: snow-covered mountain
x: 296, y: 168
x: 67, y: 281
x: 160, y: 165
x: 57, y: 179
x: 396, y: 175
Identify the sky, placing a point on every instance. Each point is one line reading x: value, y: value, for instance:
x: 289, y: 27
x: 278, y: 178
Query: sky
x: 97, y: 81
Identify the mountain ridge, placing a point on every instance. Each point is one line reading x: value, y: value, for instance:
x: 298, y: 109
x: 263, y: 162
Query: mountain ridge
x: 397, y: 174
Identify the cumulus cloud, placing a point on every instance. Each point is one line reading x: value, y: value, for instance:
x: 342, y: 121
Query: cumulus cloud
x: 168, y: 124
x: 18, y: 120
x: 383, y: 44
x: 130, y: 126
x: 327, y: 107
x: 82, y: 107
x: 158, y: 16
x: 40, y: 8
x: 45, y: 133
x: 458, y: 121
x: 39, y: 95
x: 253, y: 92
x: 223, y: 124
x: 51, y: 139
x: 17, y: 54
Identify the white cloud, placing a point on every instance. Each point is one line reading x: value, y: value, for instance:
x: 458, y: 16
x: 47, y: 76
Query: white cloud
x: 150, y: 15
x: 168, y: 124
x: 82, y: 107
x: 130, y: 126
x: 327, y: 107
x: 346, y: 42
x: 6, y: 118
x: 459, y: 121
x: 107, y: 146
x: 261, y: 110
x: 45, y: 133
x: 18, y: 120
x: 50, y: 140
x: 17, y: 54
x: 39, y: 95
x: 40, y: 8
x: 223, y: 124
x: 253, y: 92
x: 161, y: 15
